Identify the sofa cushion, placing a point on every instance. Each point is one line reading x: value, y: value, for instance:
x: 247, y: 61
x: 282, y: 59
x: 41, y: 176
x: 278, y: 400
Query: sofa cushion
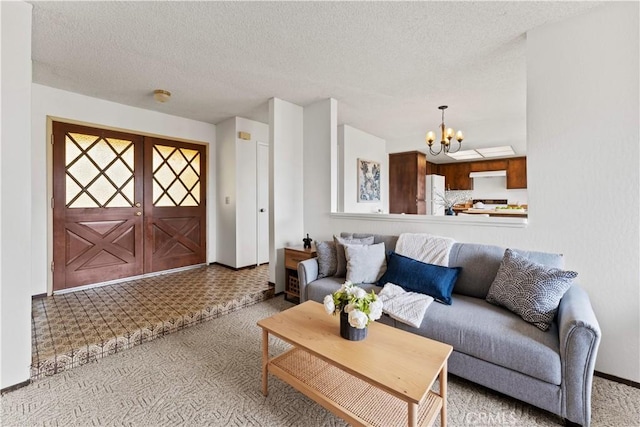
x: 529, y: 289
x: 491, y: 333
x: 365, y: 263
x: 480, y: 265
x: 327, y: 259
x: 341, y: 268
x: 417, y: 276
x: 328, y: 285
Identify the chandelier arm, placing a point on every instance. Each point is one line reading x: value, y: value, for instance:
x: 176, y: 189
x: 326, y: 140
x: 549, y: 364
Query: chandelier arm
x: 435, y: 153
x: 459, y: 146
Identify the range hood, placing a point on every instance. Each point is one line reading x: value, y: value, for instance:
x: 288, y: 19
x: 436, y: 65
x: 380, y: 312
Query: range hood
x: 487, y: 174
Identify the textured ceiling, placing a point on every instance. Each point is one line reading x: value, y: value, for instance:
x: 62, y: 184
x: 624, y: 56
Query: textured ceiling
x: 389, y: 64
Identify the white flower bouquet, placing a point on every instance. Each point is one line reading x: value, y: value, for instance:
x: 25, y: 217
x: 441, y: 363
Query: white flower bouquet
x: 450, y: 198
x: 362, y: 307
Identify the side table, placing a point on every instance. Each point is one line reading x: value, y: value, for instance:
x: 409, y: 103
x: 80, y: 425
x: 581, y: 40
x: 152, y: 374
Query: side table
x: 292, y: 256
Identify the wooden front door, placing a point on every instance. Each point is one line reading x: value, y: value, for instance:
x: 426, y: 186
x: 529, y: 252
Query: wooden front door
x: 124, y: 205
x: 175, y: 208
x: 97, y: 193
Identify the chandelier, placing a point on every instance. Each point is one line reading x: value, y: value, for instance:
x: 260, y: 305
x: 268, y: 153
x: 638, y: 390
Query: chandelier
x: 445, y: 138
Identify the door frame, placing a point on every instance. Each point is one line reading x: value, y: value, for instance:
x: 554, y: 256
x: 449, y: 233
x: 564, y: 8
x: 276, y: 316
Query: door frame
x: 210, y: 207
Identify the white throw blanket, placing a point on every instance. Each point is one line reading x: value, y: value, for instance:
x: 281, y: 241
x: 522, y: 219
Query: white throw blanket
x: 425, y: 247
x: 405, y: 307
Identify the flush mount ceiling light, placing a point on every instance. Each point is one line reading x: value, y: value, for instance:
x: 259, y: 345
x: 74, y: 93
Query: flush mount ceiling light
x: 446, y: 135
x: 161, y: 95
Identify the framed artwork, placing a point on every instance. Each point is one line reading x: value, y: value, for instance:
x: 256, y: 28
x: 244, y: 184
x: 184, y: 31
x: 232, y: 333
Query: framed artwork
x: 368, y: 181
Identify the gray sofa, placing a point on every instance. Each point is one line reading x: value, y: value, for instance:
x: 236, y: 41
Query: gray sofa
x: 494, y: 347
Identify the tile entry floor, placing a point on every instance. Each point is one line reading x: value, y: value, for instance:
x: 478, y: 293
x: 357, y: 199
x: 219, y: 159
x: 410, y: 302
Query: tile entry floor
x: 75, y: 328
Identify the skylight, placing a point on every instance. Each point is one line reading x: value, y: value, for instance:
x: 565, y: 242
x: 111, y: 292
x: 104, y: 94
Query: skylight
x: 496, y: 151
x: 481, y: 153
x: 465, y: 155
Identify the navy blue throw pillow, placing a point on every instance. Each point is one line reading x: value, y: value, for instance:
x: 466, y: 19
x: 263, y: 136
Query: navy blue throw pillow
x: 416, y: 276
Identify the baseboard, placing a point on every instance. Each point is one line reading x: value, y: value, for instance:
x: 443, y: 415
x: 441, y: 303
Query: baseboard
x: 38, y: 296
x: 15, y: 386
x: 127, y: 279
x: 233, y: 268
x: 617, y: 379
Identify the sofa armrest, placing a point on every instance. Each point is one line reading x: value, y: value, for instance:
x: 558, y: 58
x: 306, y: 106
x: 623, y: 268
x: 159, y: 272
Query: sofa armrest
x: 307, y: 273
x: 579, y: 340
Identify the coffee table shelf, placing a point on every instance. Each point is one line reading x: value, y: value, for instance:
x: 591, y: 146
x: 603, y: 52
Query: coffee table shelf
x: 347, y: 396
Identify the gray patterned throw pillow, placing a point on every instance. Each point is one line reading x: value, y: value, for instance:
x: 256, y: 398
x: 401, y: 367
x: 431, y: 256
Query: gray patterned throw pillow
x: 528, y: 289
x: 327, y: 260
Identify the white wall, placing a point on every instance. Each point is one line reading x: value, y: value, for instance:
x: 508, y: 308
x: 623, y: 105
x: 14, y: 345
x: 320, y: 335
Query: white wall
x: 47, y: 101
x: 286, y: 183
x: 15, y: 194
x: 226, y: 190
x: 582, y: 95
x: 583, y: 133
x: 320, y: 151
x: 236, y: 171
x: 354, y: 144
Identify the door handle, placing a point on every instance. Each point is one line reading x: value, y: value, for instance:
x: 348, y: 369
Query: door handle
x: 138, y: 205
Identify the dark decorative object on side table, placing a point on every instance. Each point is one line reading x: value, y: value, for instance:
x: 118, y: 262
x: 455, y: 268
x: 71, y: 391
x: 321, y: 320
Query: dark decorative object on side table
x: 307, y: 242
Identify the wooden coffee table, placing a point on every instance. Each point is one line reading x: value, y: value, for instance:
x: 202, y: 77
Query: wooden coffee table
x: 384, y: 380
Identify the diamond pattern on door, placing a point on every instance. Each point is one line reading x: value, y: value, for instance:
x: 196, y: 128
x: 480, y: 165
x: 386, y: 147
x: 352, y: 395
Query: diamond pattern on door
x: 99, y: 171
x: 176, y: 176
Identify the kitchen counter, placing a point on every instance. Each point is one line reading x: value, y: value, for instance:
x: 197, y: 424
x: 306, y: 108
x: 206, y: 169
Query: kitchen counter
x: 513, y: 213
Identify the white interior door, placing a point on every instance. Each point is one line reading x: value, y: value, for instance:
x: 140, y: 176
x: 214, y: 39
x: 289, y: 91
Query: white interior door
x: 262, y: 185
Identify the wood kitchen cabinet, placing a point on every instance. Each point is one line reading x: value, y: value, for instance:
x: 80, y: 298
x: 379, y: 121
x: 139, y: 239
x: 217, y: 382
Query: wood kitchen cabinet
x: 517, y: 173
x: 432, y: 168
x: 488, y: 165
x: 456, y: 176
x: 407, y: 172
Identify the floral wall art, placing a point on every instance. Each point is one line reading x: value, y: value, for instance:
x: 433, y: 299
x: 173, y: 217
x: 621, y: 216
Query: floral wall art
x: 368, y: 181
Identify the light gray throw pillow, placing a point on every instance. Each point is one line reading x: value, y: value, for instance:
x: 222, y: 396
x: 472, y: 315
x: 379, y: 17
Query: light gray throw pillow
x: 327, y: 260
x: 341, y: 269
x: 365, y: 263
x: 528, y: 289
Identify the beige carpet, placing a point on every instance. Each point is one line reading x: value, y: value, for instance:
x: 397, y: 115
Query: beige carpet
x: 209, y: 374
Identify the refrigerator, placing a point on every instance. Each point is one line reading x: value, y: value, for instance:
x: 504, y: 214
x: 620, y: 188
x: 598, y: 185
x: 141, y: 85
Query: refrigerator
x: 435, y: 184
